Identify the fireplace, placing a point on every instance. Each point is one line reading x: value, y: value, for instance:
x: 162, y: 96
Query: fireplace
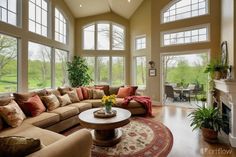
x: 226, y: 112
x: 227, y: 100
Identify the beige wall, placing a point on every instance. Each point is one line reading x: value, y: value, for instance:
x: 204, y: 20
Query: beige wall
x: 24, y: 36
x: 140, y: 24
x: 81, y: 22
x: 228, y: 25
x: 153, y: 83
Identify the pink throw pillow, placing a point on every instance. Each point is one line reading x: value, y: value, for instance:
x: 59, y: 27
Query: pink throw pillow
x: 35, y: 106
x: 123, y: 92
x: 80, y: 93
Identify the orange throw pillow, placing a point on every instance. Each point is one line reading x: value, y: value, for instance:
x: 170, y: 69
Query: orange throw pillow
x: 35, y: 106
x: 123, y: 92
x: 79, y: 93
x: 85, y: 93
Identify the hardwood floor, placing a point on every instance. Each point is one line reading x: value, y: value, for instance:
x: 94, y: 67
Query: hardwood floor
x: 188, y: 143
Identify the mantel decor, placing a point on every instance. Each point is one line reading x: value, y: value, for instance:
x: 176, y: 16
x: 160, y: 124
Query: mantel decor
x: 224, y: 53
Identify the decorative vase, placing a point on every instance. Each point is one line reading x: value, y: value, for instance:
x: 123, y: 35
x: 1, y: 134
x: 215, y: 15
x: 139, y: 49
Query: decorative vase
x: 108, y: 109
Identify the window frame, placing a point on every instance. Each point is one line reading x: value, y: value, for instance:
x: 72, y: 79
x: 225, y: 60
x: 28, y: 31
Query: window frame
x: 135, y: 71
x: 66, y: 23
x: 96, y: 36
x: 176, y: 1
x: 208, y: 34
x: 140, y: 37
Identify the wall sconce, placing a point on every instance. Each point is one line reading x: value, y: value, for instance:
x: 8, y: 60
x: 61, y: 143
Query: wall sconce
x: 152, y: 64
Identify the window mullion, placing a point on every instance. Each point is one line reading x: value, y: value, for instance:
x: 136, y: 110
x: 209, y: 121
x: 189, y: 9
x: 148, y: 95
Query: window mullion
x: 53, y: 68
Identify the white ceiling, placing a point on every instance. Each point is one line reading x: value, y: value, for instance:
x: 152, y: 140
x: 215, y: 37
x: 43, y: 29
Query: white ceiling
x: 95, y: 7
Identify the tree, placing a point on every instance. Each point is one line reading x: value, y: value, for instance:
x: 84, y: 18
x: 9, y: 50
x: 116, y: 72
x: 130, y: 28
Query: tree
x: 8, y: 52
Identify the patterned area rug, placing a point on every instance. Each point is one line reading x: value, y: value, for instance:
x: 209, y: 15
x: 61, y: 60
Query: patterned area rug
x: 142, y: 137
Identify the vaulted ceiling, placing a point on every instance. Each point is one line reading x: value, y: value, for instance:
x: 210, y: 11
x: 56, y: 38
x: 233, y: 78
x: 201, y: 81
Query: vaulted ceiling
x: 83, y: 8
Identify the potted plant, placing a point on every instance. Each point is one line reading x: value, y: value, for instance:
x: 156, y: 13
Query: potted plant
x: 78, y: 72
x: 209, y: 120
x: 216, y: 69
x: 108, y: 102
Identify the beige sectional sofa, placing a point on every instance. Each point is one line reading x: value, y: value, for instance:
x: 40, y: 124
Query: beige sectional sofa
x: 47, y: 126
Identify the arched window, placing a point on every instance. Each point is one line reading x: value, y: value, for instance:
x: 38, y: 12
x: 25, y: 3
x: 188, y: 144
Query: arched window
x: 103, y: 36
x: 182, y: 9
x: 60, y: 27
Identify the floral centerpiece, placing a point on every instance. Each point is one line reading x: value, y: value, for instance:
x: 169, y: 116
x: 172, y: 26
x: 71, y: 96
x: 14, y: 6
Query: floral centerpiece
x: 108, y: 101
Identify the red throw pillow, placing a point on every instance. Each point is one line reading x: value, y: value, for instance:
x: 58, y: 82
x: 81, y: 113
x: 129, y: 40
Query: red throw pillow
x: 85, y: 93
x: 35, y: 106
x: 133, y: 90
x: 123, y: 92
x: 80, y: 93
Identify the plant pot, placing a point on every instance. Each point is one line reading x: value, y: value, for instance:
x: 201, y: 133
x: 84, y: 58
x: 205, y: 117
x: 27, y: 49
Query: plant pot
x: 209, y: 135
x: 217, y: 75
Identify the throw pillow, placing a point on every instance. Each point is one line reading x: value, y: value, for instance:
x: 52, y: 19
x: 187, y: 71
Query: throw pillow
x: 123, y: 92
x: 42, y: 92
x: 1, y: 124
x: 90, y: 93
x: 20, y: 99
x: 64, y: 90
x: 85, y: 93
x: 79, y: 93
x: 133, y: 90
x: 64, y: 100
x: 51, y: 102
x: 35, y: 106
x: 73, y: 96
x: 105, y: 88
x: 17, y: 146
x: 98, y: 94
x: 12, y: 114
x: 114, y: 90
x: 6, y: 100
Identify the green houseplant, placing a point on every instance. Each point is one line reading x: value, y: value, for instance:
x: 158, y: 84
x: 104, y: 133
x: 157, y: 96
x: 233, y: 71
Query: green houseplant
x: 216, y: 69
x: 209, y: 120
x: 78, y: 72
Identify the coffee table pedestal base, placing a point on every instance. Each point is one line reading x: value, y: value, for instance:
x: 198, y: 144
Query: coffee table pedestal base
x: 106, y: 138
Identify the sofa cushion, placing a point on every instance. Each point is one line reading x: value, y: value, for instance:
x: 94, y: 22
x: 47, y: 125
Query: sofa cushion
x: 51, y: 102
x: 85, y: 93
x: 18, y: 146
x: 132, y: 103
x: 98, y: 94
x: 105, y: 88
x: 20, y: 99
x: 82, y: 106
x: 1, y: 124
x: 64, y: 90
x: 94, y: 102
x: 12, y: 114
x: 42, y: 92
x: 64, y: 100
x: 66, y: 112
x: 43, y: 120
x: 80, y: 93
x: 73, y: 96
x: 6, y: 100
x: 123, y: 92
x: 35, y: 106
x: 54, y: 91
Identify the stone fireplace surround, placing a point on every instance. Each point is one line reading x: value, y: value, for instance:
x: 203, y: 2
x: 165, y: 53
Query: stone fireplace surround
x: 227, y: 95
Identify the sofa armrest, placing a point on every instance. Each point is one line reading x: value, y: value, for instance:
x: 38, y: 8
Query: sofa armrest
x: 77, y: 144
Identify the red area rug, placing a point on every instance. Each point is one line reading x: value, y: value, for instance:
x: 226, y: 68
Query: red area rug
x: 141, y: 138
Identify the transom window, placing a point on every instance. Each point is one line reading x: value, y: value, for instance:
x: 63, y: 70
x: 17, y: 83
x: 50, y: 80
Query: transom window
x: 140, y: 42
x: 107, y: 70
x: 60, y: 27
x: 182, y: 9
x: 38, y: 17
x: 186, y: 36
x: 104, y: 36
x: 8, y: 11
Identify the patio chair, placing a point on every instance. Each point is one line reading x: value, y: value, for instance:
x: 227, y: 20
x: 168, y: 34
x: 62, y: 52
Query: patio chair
x: 169, y: 93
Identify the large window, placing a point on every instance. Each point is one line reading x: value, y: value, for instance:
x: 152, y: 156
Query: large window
x: 38, y: 16
x: 60, y: 27
x: 8, y: 11
x: 8, y: 64
x: 140, y: 71
x: 106, y: 70
x: 39, y: 66
x: 61, y: 58
x: 140, y: 42
x: 189, y: 35
x: 104, y: 36
x: 182, y: 9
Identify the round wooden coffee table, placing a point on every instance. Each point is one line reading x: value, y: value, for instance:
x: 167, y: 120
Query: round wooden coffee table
x: 106, y: 130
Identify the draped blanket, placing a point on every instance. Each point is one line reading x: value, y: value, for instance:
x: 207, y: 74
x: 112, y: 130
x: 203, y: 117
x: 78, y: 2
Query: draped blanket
x: 144, y: 100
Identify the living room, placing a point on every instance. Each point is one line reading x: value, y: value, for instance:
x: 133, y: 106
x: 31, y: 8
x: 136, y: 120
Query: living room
x: 121, y: 44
